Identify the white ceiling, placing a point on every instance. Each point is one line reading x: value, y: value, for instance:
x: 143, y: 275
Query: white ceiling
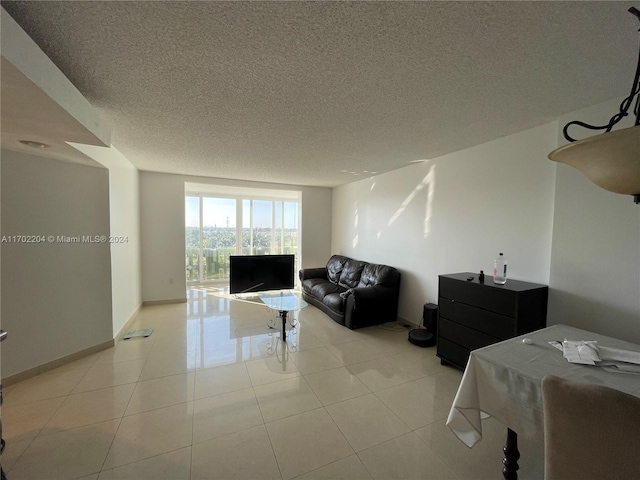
x: 307, y: 92
x: 30, y: 114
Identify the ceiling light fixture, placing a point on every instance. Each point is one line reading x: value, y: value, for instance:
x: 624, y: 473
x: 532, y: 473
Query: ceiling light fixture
x: 358, y: 173
x: 611, y: 160
x: 34, y: 144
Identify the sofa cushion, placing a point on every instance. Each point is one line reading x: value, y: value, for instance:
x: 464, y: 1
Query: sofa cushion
x: 308, y: 284
x: 334, y: 301
x: 321, y: 290
x: 335, y: 266
x: 373, y: 274
x: 350, y: 276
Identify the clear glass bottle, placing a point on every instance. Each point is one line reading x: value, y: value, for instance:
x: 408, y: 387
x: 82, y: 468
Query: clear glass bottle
x: 500, y: 270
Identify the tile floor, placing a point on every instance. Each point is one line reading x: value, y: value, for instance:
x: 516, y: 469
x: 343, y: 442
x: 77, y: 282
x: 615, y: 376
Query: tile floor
x: 214, y: 394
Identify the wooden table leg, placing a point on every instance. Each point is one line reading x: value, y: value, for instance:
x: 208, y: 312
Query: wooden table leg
x: 511, y: 456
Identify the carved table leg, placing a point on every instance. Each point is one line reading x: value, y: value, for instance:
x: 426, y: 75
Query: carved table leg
x: 511, y: 456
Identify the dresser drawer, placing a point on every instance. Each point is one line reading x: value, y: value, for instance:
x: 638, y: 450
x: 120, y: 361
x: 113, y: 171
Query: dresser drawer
x: 473, y: 314
x: 464, y: 336
x: 493, y: 324
x: 492, y: 298
x: 452, y: 353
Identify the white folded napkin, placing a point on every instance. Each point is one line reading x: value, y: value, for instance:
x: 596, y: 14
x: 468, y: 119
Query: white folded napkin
x: 619, y: 355
x: 588, y: 352
x: 582, y: 351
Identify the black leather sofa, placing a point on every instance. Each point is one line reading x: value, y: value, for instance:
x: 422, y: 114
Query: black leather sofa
x: 355, y: 294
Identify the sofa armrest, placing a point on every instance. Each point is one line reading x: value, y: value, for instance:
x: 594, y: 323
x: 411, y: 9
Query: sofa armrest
x: 370, y: 297
x: 306, y: 273
x: 371, y: 305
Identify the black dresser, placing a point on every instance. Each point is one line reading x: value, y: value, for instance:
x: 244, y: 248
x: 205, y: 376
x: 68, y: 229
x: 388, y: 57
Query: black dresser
x: 472, y: 314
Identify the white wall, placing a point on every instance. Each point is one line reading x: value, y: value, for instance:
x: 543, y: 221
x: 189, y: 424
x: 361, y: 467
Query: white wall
x: 0, y: 276
x: 595, y: 260
x: 162, y: 237
x: 162, y: 229
x: 454, y: 214
x: 315, y: 236
x: 124, y: 207
x: 56, y: 297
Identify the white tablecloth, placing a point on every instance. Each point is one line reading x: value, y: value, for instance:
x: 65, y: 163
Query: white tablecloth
x: 504, y: 381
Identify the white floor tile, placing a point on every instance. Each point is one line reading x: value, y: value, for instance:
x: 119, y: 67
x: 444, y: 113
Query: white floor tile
x: 366, y: 421
x: 283, y: 399
x: 214, y: 393
x: 162, y: 392
x: 336, y: 385
x: 174, y: 465
x: 379, y: 374
x: 413, y: 405
x: 306, y: 442
x: 151, y: 433
x: 315, y: 360
x: 405, y: 457
x: 67, y: 454
x: 349, y: 468
x: 135, y: 348
x: 165, y: 364
x: 244, y: 455
x: 226, y: 413
x: 271, y: 369
x: 24, y: 421
x: 95, y: 406
x: 109, y: 375
x: 48, y: 385
x: 224, y: 379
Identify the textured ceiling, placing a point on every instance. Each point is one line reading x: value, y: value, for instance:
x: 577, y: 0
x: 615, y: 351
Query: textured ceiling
x: 307, y: 92
x: 30, y: 114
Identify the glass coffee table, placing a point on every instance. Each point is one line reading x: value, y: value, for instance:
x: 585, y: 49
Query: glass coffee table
x: 283, y: 303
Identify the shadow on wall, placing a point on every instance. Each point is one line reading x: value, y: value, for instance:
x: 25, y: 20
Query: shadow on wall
x: 585, y: 313
x: 428, y: 183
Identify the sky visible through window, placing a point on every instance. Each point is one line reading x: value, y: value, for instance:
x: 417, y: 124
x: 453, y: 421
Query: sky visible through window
x: 221, y: 212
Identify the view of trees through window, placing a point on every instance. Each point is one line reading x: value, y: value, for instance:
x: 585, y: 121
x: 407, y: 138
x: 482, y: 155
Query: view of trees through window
x: 216, y: 228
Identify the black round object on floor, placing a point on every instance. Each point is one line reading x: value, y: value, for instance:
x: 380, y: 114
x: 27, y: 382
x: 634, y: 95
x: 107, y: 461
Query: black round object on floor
x: 422, y: 338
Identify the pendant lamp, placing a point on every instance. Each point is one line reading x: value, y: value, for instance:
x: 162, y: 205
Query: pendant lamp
x: 611, y: 160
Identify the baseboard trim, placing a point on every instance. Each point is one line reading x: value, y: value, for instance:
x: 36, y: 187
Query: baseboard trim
x: 148, y: 303
x: 411, y: 323
x: 127, y: 326
x: 45, y: 367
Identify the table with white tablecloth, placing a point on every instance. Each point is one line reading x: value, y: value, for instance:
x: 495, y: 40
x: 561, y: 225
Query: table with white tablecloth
x: 504, y: 380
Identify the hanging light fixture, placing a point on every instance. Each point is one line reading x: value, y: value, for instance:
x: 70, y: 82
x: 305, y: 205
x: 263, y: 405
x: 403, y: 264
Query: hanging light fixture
x: 611, y: 160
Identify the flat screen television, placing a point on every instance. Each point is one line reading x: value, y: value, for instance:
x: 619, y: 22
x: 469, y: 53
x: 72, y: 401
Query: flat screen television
x: 257, y: 273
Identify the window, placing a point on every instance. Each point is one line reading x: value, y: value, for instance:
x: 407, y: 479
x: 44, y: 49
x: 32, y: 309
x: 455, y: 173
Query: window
x: 219, y: 224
